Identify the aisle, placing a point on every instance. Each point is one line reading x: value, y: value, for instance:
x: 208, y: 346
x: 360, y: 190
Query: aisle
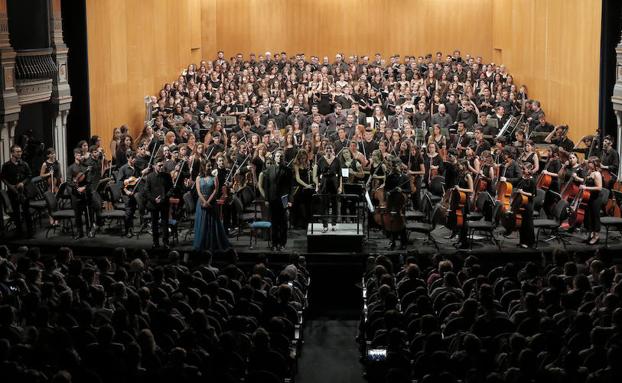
x: 330, y: 354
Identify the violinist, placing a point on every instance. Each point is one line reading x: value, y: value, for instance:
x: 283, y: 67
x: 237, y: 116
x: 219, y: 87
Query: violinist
x: 128, y: 179
x: 487, y: 172
x: 593, y: 184
x: 77, y: 181
x: 480, y: 143
x: 94, y: 177
x: 50, y: 168
x: 465, y: 185
x: 433, y: 163
x: 527, y: 187
x: 610, y: 160
x: 397, y: 182
x: 416, y: 171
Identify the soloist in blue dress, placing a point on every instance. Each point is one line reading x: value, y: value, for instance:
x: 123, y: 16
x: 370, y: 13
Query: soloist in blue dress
x: 209, y: 233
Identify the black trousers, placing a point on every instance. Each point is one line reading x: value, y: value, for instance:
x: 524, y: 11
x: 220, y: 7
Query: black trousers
x: 526, y: 232
x: 278, y: 215
x: 80, y: 203
x: 130, y: 209
x: 19, y: 208
x: 159, y: 216
x: 591, y: 221
x: 329, y: 199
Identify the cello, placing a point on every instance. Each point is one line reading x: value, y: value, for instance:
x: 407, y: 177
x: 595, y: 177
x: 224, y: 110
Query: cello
x: 457, y: 201
x: 578, y: 207
x: 544, y: 180
x: 504, y: 193
x: 513, y: 219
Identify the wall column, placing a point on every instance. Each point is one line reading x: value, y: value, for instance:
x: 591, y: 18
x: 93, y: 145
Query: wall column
x: 9, y: 105
x: 61, y: 94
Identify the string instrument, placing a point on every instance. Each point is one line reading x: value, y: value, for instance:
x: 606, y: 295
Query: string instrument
x: 52, y: 180
x: 80, y: 181
x: 393, y: 217
x: 612, y: 208
x: 433, y: 172
x: 480, y: 185
x: 578, y: 207
x: 412, y: 177
x: 457, y: 201
x: 513, y: 219
x: 504, y: 193
x: 131, y: 182
x: 570, y: 189
x: 175, y: 200
x: 544, y: 180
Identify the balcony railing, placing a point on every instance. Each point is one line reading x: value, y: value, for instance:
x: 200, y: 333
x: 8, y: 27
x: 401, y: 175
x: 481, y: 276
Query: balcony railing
x: 35, y: 64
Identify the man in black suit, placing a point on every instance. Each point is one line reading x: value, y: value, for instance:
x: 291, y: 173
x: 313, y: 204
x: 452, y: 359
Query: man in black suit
x: 158, y: 186
x: 276, y: 191
x: 16, y: 176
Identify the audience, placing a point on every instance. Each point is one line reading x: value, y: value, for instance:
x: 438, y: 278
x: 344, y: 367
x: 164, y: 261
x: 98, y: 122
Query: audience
x: 445, y: 322
x: 128, y: 319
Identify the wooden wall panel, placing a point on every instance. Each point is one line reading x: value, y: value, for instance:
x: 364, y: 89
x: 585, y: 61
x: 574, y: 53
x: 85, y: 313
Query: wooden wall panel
x: 553, y: 46
x: 134, y: 47
x: 325, y: 27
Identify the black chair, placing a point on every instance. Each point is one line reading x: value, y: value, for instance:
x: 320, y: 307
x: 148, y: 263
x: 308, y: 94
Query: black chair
x: 615, y: 222
x: 9, y: 224
x: 189, y: 213
x: 538, y: 202
x: 426, y: 227
x: 437, y: 188
x: 483, y: 198
x: 560, y: 213
x: 37, y: 203
x: 64, y: 216
x: 145, y: 219
x: 485, y: 226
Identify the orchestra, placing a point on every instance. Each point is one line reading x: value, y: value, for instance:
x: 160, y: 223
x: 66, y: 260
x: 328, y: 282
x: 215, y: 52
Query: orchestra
x: 298, y: 136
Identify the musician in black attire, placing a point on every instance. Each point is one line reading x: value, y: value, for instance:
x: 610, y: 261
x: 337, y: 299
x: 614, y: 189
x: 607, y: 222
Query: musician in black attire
x: 329, y: 183
x: 276, y: 190
x: 125, y: 173
x: 158, y: 186
x: 593, y: 184
x: 225, y: 181
x: 16, y: 176
x: 552, y: 168
x: 78, y: 181
x: 527, y: 187
x: 465, y: 185
x: 397, y: 182
x: 94, y: 163
x: 610, y: 160
x: 510, y: 170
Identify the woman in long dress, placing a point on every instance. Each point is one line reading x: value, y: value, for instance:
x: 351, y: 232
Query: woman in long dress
x: 209, y: 232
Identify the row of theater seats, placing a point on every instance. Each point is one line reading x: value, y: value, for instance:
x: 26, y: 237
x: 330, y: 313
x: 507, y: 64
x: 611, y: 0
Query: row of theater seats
x: 447, y: 323
x: 131, y: 319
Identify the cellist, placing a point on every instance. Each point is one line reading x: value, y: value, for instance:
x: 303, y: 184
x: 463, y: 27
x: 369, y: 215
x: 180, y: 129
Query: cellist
x: 551, y: 169
x: 593, y: 183
x: 609, y: 162
x: 464, y: 185
x: 397, y: 182
x: 527, y: 187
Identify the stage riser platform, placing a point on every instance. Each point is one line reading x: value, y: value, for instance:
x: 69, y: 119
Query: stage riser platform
x: 341, y: 238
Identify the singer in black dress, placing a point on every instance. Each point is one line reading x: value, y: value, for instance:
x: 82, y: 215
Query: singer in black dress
x: 329, y: 184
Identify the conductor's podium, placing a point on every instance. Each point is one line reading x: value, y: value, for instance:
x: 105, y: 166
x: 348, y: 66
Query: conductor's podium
x: 345, y: 238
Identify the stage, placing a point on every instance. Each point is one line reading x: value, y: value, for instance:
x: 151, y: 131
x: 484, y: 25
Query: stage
x: 344, y: 246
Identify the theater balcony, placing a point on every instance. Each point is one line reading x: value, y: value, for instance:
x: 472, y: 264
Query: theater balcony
x: 35, y: 70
